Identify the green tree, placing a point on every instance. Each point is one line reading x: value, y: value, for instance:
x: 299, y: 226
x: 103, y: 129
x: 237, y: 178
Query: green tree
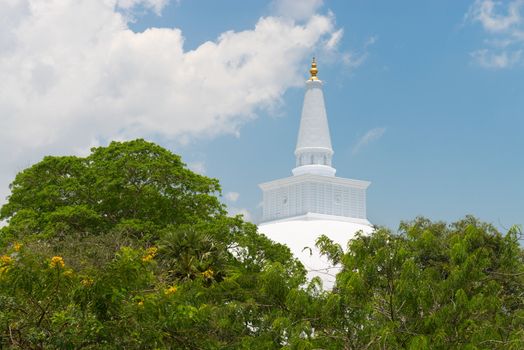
x: 433, y: 286
x: 145, y: 257
x: 128, y: 249
x: 136, y: 184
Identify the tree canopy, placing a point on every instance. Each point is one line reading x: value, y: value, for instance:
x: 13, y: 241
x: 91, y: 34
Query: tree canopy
x: 128, y: 249
x: 431, y: 286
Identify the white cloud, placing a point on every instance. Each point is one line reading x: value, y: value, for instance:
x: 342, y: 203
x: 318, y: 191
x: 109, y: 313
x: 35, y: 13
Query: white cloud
x: 85, y: 151
x: 370, y: 136
x: 198, y: 167
x: 371, y: 41
x: 241, y: 211
x: 232, y: 196
x: 487, y: 13
x: 489, y: 59
x: 504, y: 23
x: 73, y: 75
x: 155, y: 5
x: 334, y: 40
x: 299, y: 10
x: 354, y: 60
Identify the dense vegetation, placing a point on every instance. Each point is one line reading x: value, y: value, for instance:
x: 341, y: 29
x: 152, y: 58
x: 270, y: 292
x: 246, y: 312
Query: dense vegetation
x: 128, y: 249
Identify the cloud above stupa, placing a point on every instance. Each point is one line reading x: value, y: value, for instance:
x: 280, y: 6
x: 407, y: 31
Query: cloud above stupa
x: 74, y: 73
x: 503, y: 24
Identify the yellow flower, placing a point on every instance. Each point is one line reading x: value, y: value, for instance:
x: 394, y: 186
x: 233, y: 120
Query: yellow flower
x: 170, y: 290
x: 140, y: 303
x: 147, y: 258
x: 6, y: 260
x: 86, y: 282
x: 68, y: 273
x: 17, y: 246
x: 151, y: 253
x: 208, y: 273
x: 56, y: 261
x: 152, y: 250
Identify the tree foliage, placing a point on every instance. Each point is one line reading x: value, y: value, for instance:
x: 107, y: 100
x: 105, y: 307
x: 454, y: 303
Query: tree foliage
x: 432, y: 286
x: 127, y: 248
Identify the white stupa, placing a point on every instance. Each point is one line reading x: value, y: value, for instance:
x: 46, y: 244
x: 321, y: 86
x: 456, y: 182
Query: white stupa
x: 312, y: 202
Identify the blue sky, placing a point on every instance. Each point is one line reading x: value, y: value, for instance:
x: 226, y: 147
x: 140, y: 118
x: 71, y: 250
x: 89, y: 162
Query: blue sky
x: 424, y: 98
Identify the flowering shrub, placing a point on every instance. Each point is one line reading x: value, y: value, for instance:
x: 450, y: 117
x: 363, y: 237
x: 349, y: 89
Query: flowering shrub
x: 150, y: 254
x: 57, y: 261
x: 171, y: 290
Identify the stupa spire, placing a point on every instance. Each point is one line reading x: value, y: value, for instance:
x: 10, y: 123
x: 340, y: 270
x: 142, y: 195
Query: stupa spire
x: 313, y: 70
x: 314, y: 152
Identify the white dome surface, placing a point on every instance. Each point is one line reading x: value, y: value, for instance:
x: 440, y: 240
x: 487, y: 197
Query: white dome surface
x: 302, y: 232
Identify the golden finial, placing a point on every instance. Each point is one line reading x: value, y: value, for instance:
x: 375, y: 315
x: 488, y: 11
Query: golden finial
x: 313, y: 70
